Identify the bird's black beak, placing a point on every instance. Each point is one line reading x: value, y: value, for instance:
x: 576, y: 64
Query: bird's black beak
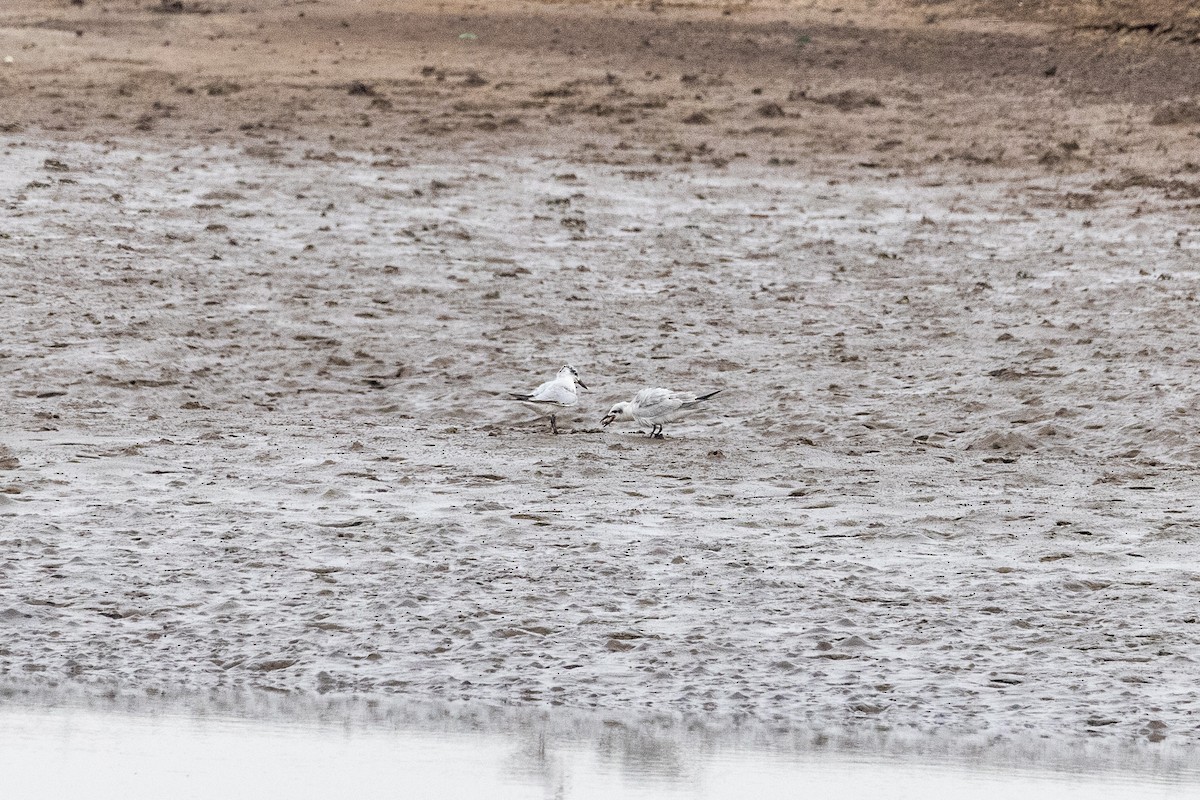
x: 582, y: 385
x: 608, y: 420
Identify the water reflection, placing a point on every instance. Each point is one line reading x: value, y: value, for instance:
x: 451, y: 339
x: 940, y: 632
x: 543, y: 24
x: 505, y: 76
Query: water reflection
x: 131, y: 746
x: 641, y: 753
x: 531, y: 762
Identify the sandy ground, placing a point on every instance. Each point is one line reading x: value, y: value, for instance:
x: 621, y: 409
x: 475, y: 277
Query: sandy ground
x: 270, y: 270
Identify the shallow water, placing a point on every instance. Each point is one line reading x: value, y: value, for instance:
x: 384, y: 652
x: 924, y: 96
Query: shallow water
x: 54, y: 752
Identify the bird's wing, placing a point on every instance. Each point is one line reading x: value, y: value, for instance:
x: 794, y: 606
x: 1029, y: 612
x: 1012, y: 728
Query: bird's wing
x: 652, y: 403
x: 693, y: 401
x: 554, y: 392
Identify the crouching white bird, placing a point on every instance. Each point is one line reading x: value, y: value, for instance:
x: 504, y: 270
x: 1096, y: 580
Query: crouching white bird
x: 553, y: 396
x: 650, y: 408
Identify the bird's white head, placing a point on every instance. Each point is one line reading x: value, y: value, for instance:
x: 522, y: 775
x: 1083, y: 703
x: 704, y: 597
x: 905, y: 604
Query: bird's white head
x: 570, y: 373
x: 620, y: 411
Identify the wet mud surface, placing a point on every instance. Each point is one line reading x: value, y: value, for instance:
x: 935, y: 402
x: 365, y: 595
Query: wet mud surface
x: 265, y: 298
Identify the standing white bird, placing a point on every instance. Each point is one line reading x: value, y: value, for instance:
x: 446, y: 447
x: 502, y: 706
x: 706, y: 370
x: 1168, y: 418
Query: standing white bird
x: 553, y: 396
x: 650, y: 408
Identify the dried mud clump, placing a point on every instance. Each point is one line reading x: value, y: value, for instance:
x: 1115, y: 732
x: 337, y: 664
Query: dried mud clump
x: 1180, y: 113
x: 849, y: 100
x: 179, y: 7
x: 770, y: 110
x: 1172, y: 188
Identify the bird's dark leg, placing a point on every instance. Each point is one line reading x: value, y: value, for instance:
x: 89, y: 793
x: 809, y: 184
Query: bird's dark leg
x: 553, y: 424
x: 657, y: 433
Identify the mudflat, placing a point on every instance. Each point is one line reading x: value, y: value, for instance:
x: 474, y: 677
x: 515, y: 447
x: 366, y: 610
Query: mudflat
x: 271, y: 270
